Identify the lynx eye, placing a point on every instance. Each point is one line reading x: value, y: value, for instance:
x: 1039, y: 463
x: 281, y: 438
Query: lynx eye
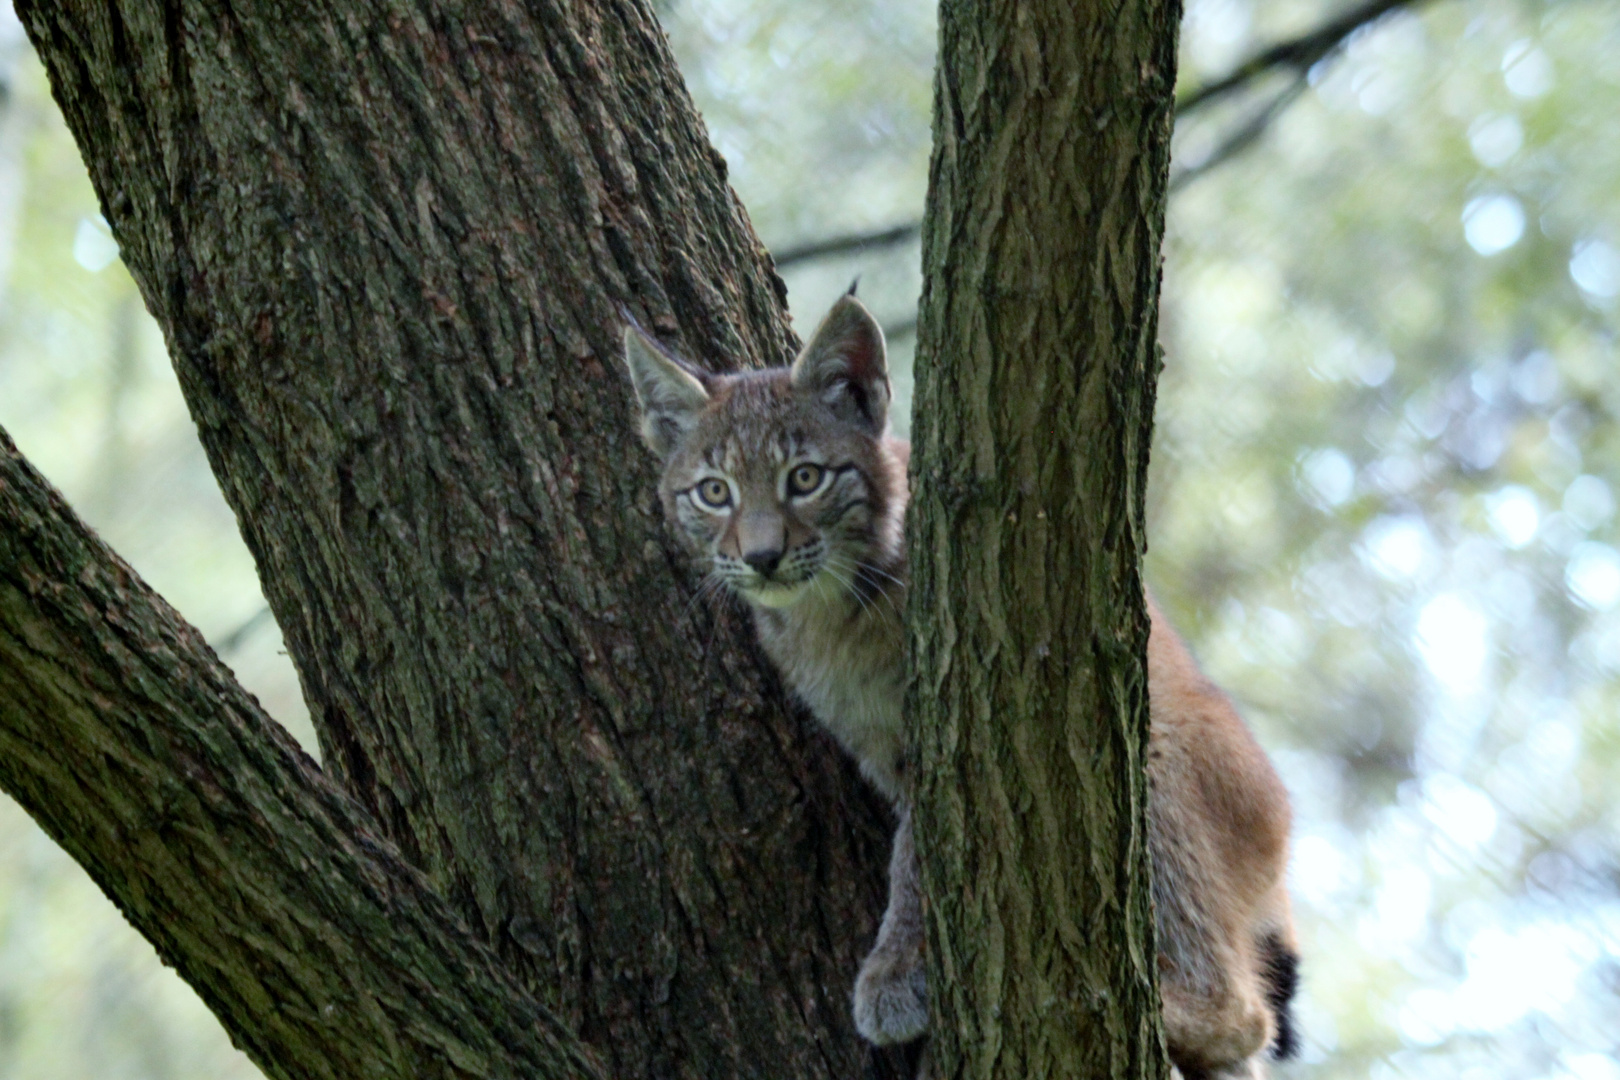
x: 804, y: 479
x: 714, y: 493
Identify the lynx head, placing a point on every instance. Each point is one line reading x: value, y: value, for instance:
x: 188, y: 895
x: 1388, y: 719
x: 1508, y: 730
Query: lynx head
x: 783, y: 479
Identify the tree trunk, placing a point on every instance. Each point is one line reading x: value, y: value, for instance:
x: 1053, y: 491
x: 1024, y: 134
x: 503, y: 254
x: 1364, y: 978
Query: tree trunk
x: 251, y: 872
x: 386, y: 244
x: 1036, y: 368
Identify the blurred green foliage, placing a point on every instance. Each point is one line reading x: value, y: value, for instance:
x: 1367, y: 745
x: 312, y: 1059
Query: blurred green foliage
x: 1383, y: 504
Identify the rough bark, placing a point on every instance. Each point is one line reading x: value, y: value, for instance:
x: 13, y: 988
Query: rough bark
x: 1036, y: 369
x: 262, y: 882
x: 386, y: 243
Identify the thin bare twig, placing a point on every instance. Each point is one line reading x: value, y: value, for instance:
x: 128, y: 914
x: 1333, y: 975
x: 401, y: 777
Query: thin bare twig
x: 1298, y: 54
x: 842, y: 245
x: 232, y: 641
x: 1242, y: 137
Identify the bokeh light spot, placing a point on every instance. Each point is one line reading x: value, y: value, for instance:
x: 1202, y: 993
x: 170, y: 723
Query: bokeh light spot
x: 1493, y: 223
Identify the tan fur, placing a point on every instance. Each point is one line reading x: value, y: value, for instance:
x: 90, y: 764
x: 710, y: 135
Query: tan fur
x: 1218, y: 837
x: 824, y: 575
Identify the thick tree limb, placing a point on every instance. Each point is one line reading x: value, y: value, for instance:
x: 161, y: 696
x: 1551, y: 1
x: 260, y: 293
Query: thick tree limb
x: 267, y: 887
x: 1035, y: 382
x: 386, y: 242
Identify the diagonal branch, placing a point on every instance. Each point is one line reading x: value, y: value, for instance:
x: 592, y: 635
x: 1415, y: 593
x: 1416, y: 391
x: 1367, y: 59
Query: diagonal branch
x: 846, y: 244
x: 1298, y: 54
x: 1242, y: 137
x: 265, y: 886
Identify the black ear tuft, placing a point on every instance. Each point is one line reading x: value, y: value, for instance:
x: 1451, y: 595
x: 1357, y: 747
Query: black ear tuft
x: 852, y: 285
x: 846, y: 365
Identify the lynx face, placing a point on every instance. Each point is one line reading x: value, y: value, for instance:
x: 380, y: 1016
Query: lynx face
x: 780, y: 477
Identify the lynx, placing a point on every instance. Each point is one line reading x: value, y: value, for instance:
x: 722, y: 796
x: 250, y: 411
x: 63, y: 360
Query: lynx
x: 788, y: 485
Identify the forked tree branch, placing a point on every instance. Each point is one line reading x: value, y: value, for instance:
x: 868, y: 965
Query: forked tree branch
x: 1298, y: 54
x: 268, y: 888
x: 386, y: 242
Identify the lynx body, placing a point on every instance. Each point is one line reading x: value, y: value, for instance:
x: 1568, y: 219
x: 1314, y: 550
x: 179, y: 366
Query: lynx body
x: 787, y: 482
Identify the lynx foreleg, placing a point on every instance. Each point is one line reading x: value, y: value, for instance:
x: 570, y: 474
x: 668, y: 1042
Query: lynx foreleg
x: 891, y: 997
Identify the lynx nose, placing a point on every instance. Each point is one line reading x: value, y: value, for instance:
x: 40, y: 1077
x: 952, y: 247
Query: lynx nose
x: 762, y: 537
x: 764, y: 562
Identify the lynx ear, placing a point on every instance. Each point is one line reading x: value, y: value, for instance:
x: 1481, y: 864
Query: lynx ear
x: 670, y: 394
x: 846, y: 365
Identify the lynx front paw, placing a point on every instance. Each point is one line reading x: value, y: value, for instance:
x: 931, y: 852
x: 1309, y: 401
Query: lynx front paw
x: 891, y: 1000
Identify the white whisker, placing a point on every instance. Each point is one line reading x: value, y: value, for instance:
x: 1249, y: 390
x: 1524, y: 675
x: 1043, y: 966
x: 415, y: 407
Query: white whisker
x: 855, y: 569
x: 848, y: 575
x: 711, y: 583
x: 876, y: 569
x: 848, y: 584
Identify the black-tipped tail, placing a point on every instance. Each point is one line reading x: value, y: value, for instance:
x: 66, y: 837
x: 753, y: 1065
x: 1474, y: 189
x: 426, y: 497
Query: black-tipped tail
x: 1280, y: 971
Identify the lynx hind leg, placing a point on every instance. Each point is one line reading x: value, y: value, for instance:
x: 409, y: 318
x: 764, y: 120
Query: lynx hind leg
x: 1217, y: 1020
x: 1215, y: 1031
x: 891, y: 996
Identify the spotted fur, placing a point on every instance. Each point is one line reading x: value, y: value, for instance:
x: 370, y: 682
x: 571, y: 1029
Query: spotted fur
x: 788, y: 484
